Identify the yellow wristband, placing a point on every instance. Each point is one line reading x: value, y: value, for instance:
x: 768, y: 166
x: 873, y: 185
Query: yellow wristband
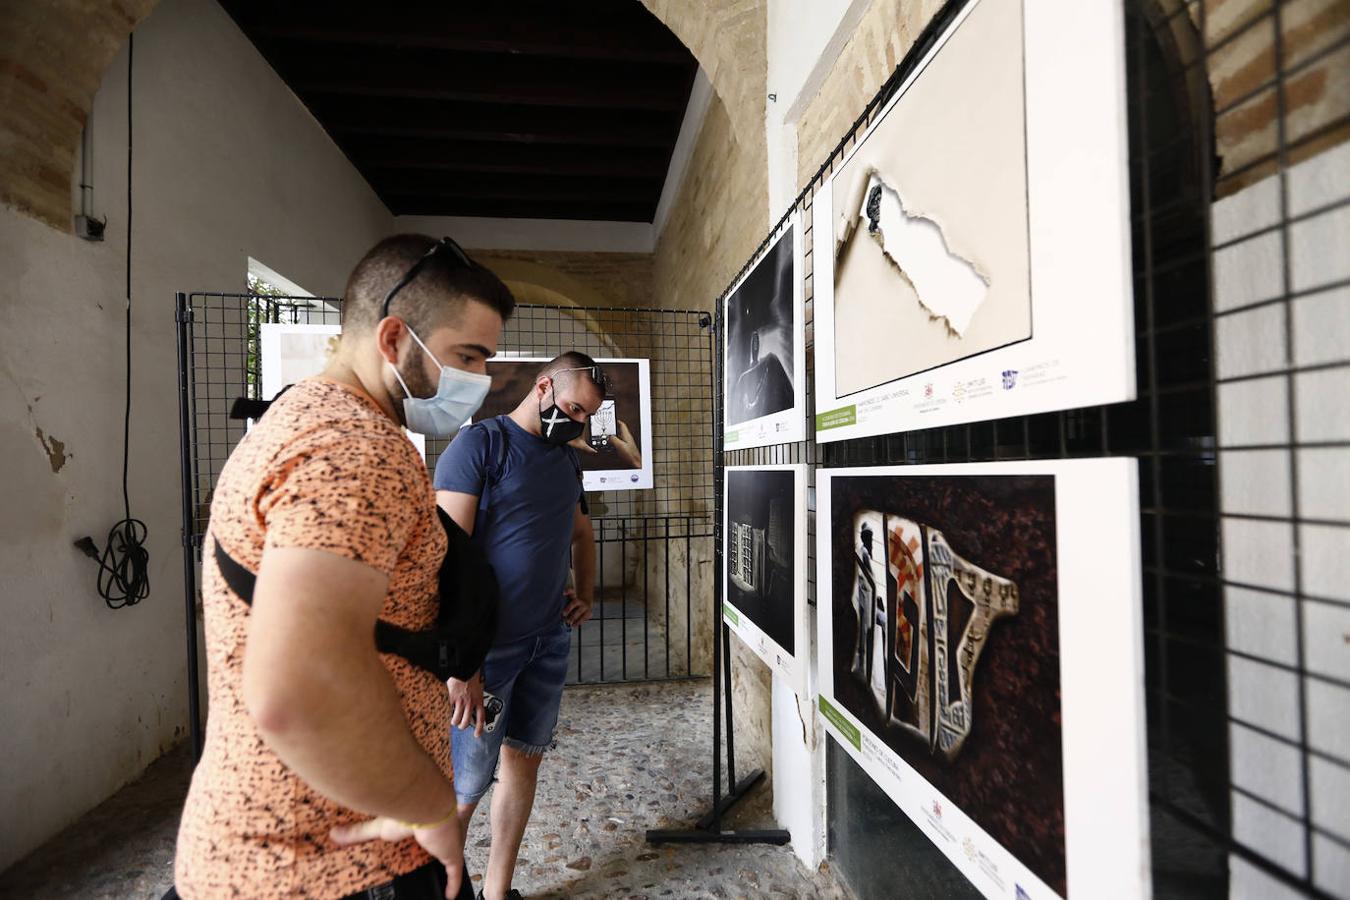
x: 439, y: 822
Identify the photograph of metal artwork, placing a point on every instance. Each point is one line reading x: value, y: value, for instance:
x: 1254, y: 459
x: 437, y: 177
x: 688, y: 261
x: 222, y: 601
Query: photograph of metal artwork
x: 945, y: 616
x: 759, y: 338
x: 759, y: 555
x: 621, y: 415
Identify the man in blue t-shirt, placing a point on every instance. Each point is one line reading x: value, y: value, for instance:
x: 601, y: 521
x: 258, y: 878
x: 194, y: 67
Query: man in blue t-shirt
x: 514, y: 484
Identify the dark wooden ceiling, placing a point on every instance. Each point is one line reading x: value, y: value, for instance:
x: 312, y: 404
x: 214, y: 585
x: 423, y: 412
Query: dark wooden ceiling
x: 566, y: 109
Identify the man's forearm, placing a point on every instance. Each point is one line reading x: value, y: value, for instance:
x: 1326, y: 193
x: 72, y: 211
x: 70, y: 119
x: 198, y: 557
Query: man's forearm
x: 341, y: 728
x: 583, y: 565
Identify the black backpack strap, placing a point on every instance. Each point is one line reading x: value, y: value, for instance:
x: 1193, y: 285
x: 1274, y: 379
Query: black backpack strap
x: 424, y: 648
x: 245, y: 408
x: 239, y: 579
x: 581, y: 480
x: 498, y: 448
x: 497, y: 457
x: 457, y: 650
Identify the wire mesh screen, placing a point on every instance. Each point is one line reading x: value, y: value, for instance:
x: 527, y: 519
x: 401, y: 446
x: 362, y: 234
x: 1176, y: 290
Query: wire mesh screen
x: 220, y: 335
x: 1247, y: 675
x: 649, y: 543
x: 652, y: 546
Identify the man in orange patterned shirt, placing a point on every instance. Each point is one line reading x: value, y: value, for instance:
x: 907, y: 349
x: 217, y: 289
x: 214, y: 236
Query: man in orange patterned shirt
x: 326, y: 771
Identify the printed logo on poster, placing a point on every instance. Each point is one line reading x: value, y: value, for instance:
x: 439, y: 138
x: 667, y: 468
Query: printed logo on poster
x: 928, y: 389
x: 1009, y: 379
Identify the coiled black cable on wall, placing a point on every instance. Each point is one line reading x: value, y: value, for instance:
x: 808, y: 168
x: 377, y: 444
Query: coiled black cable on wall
x: 124, y: 567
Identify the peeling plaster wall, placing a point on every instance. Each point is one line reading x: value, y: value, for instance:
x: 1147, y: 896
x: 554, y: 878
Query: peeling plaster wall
x: 227, y: 165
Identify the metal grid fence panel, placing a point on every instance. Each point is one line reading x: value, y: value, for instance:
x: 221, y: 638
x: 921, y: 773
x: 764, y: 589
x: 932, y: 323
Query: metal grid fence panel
x: 649, y: 543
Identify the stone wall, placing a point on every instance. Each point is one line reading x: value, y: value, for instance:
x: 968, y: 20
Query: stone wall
x: 883, y: 37
x: 1242, y: 39
x: 587, y: 279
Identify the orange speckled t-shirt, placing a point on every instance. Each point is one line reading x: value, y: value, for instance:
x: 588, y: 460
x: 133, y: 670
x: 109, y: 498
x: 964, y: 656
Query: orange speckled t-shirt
x: 324, y: 469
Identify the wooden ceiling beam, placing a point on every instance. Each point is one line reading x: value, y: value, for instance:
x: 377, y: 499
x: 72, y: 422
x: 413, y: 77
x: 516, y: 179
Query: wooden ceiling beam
x: 530, y: 82
x: 432, y: 119
x: 505, y: 158
x: 485, y: 37
x: 540, y: 188
x: 595, y: 211
x: 541, y: 93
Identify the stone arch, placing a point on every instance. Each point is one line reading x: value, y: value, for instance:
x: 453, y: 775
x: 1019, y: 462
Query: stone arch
x: 729, y: 40
x: 1177, y: 36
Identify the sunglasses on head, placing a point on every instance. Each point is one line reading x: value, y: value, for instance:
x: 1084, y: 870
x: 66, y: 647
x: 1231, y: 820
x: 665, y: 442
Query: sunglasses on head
x: 445, y: 243
x: 596, y: 374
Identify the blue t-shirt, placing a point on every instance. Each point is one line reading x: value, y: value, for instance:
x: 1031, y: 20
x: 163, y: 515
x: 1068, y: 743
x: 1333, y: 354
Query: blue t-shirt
x: 524, y: 521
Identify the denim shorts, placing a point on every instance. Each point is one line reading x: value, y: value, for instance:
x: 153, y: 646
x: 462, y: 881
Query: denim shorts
x: 527, y: 676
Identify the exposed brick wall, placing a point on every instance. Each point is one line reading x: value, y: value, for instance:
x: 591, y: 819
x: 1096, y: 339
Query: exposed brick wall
x: 887, y: 30
x: 1242, y: 65
x: 52, y: 59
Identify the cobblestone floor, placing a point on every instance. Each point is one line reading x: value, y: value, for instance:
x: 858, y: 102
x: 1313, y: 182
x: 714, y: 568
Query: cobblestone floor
x: 629, y: 758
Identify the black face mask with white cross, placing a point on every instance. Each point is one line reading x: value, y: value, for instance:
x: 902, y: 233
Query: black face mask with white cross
x: 556, y: 427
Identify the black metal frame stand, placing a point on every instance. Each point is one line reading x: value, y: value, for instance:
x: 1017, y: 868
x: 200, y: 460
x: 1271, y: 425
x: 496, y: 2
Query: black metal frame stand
x: 708, y: 829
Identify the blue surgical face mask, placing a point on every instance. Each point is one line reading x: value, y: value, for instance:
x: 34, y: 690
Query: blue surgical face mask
x: 458, y: 396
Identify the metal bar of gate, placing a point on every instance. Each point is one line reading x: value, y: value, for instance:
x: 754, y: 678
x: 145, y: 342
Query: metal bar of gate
x: 183, y: 315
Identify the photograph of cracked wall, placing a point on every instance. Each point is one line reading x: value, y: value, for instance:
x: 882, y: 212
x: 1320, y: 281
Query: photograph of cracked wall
x: 940, y: 270
x: 759, y: 338
x: 1009, y: 773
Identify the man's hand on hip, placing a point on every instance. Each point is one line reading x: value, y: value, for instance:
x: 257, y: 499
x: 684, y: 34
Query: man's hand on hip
x: 578, y: 609
x: 441, y: 840
x: 466, y: 698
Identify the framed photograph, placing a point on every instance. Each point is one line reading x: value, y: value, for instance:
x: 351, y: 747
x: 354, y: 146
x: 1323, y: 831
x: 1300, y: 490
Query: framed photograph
x: 980, y: 637
x: 615, y: 451
x: 972, y: 252
x: 765, y: 327
x: 293, y: 352
x: 764, y: 553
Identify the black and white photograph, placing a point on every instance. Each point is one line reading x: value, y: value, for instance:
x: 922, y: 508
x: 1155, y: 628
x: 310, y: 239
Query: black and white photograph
x: 766, y: 347
x: 765, y: 564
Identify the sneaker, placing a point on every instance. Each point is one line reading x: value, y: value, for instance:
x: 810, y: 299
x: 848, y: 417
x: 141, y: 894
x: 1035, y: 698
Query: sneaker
x: 512, y: 894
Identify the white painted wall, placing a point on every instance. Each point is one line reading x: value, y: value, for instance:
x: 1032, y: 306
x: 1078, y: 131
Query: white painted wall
x: 804, y: 40
x: 1257, y: 462
x: 228, y: 165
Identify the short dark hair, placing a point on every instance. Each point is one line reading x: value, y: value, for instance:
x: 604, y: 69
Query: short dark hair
x: 575, y: 359
x: 443, y: 285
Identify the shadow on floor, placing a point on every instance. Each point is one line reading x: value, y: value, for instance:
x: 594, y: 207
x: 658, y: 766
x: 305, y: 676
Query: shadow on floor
x: 628, y: 758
